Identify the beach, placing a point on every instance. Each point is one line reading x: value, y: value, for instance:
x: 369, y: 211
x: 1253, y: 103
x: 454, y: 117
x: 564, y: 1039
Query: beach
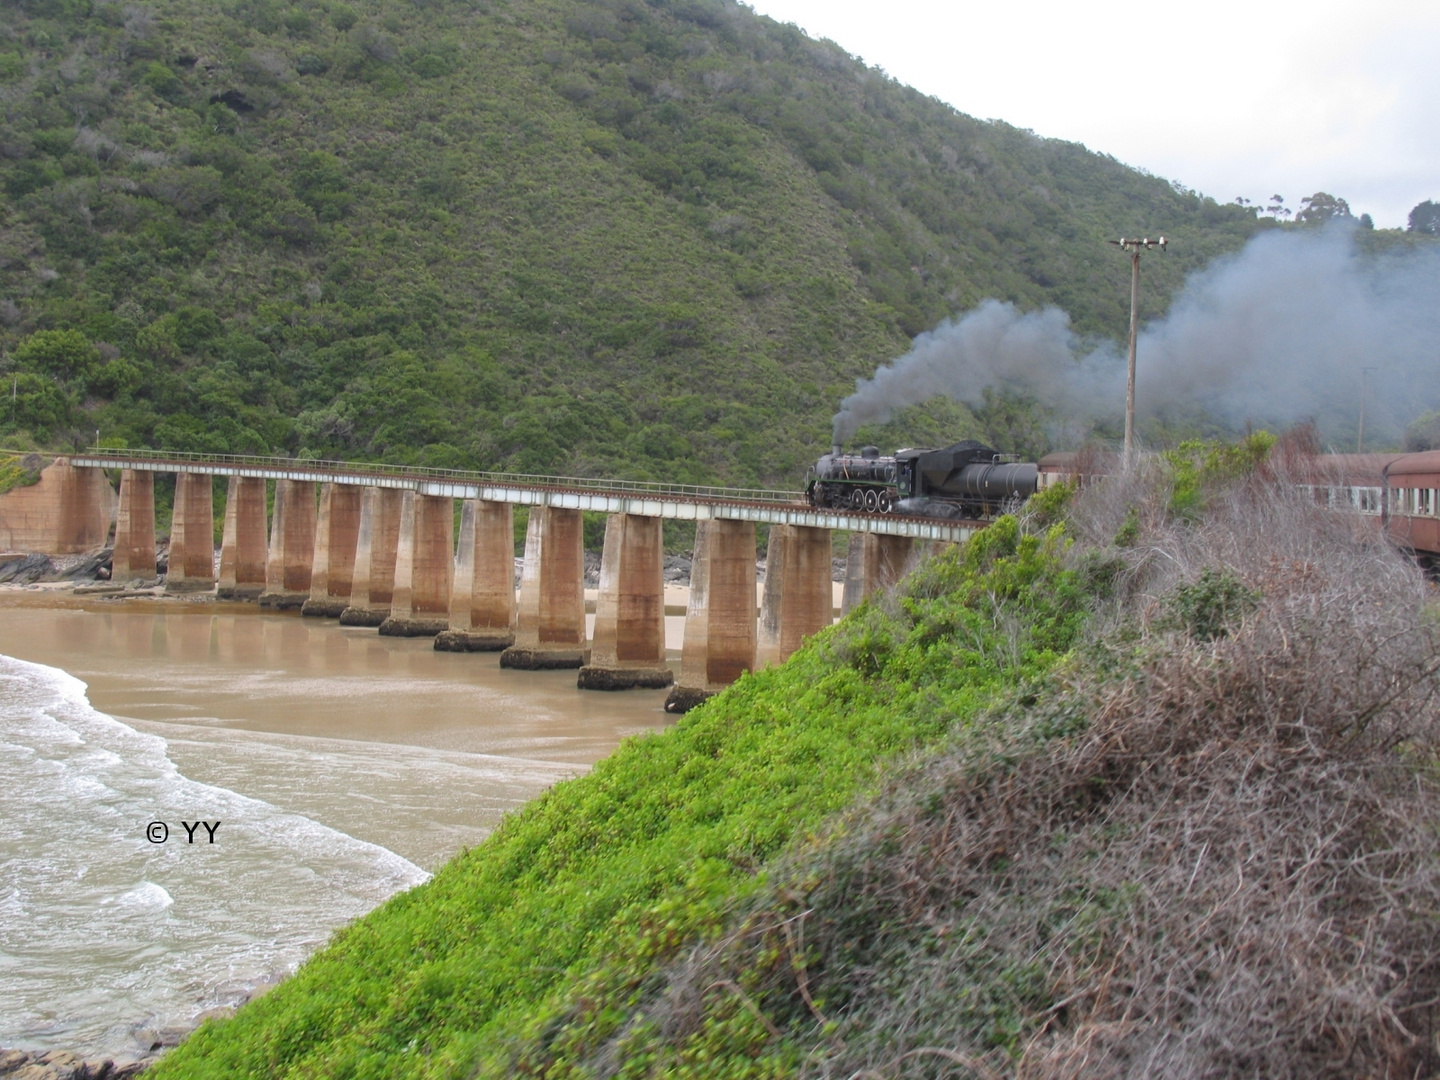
x: 342, y: 767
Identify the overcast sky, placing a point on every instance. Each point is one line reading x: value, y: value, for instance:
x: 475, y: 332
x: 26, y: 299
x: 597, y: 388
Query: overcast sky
x: 1229, y: 98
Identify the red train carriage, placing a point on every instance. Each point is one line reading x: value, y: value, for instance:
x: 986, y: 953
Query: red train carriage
x: 1412, y: 502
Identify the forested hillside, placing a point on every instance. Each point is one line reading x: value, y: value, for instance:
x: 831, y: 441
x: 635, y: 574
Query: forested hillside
x: 651, y: 239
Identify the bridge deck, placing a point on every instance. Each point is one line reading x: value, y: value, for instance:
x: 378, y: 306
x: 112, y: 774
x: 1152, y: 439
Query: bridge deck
x: 684, y: 502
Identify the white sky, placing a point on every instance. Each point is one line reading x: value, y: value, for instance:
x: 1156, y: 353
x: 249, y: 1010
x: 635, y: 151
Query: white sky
x: 1229, y: 98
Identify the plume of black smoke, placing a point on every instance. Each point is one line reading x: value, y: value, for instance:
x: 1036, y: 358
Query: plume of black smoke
x: 1276, y: 333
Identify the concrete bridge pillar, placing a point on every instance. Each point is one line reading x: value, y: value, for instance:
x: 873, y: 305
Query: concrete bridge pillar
x: 550, y: 623
x: 242, y: 545
x: 720, y: 618
x: 482, y: 599
x: 424, y: 567
x: 292, y: 545
x: 373, y: 584
x: 628, y: 649
x: 798, y: 596
x: 192, y: 535
x: 135, y: 528
x: 87, y: 507
x: 332, y: 570
x: 875, y: 562
x: 69, y: 511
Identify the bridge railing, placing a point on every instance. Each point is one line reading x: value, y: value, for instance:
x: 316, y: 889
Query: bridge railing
x: 461, y: 476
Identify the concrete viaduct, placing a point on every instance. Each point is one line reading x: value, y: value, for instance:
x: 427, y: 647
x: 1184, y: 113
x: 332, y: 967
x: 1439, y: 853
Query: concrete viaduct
x: 378, y: 548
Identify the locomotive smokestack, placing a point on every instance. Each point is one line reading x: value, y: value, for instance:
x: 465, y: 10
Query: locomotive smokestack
x: 835, y: 449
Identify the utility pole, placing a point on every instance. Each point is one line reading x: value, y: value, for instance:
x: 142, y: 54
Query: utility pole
x: 1364, y: 385
x: 1134, y: 247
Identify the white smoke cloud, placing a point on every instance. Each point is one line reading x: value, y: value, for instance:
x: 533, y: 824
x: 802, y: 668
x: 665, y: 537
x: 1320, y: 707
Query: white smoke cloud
x: 1276, y: 333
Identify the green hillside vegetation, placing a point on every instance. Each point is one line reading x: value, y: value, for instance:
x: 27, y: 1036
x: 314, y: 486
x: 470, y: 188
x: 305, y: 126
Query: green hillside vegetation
x: 1057, y: 800
x: 644, y: 239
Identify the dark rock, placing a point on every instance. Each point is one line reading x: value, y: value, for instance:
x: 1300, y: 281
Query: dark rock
x: 353, y: 616
x: 393, y: 627
x: 86, y: 569
x: 283, y: 601
x: 25, y: 571
x: 239, y: 592
x: 324, y: 609
x: 544, y: 659
x: 602, y: 678
x: 10, y: 1060
x: 682, y: 699
x: 474, y: 640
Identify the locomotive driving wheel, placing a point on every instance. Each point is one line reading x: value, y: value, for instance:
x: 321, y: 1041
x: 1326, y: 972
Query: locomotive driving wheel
x: 872, y: 500
x: 857, y: 499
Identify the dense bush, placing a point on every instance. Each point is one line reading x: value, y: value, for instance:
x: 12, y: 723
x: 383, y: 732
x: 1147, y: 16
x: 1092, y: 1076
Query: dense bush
x: 645, y: 239
x: 1187, y: 854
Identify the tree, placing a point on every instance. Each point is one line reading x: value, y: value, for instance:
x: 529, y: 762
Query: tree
x: 35, y: 404
x: 1425, y: 218
x: 1277, y: 208
x: 1321, y: 207
x: 66, y: 355
x: 1423, y: 433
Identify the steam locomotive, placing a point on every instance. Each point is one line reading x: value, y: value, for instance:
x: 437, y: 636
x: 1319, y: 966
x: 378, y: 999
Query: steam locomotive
x: 967, y: 480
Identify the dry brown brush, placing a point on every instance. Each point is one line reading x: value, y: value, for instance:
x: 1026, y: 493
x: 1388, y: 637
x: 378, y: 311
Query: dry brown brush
x: 1212, y: 850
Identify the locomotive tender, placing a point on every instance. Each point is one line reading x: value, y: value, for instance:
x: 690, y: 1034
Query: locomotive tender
x: 969, y: 480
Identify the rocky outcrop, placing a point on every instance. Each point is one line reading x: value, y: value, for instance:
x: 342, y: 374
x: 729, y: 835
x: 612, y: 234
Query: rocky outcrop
x: 63, y: 1065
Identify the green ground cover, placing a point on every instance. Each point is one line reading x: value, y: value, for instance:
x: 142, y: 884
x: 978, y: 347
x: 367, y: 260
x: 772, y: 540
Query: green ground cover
x: 585, y: 893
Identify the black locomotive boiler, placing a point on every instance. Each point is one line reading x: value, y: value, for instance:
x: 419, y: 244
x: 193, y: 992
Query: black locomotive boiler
x: 969, y: 480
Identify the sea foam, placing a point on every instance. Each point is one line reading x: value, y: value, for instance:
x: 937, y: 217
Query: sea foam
x: 102, y: 930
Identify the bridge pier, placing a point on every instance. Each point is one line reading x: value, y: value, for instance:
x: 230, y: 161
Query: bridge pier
x: 375, y: 549
x: 87, y: 506
x: 798, y: 598
x: 332, y: 570
x: 68, y: 512
x: 628, y: 649
x: 134, y: 556
x: 192, y: 535
x: 550, y: 624
x: 424, y: 567
x: 875, y: 562
x: 292, y: 545
x: 482, y: 598
x: 243, y: 548
x: 720, y: 618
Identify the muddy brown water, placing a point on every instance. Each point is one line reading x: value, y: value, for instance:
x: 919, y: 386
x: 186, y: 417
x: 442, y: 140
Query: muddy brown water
x: 384, y: 739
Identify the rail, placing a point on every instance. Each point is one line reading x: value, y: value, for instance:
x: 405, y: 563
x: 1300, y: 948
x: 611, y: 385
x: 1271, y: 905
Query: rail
x: 698, y: 492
